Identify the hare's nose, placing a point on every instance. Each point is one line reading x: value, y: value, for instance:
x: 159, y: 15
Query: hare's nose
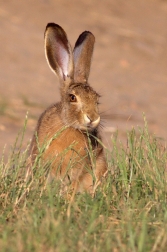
x: 90, y: 121
x: 87, y: 119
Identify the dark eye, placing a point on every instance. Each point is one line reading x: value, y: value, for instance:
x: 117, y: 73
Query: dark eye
x: 73, y: 98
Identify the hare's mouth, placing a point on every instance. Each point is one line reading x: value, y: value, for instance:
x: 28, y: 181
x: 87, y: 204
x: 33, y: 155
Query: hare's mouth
x: 87, y: 124
x: 88, y: 128
x: 91, y: 123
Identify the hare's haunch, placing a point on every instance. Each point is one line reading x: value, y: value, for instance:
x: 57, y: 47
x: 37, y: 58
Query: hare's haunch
x: 68, y: 131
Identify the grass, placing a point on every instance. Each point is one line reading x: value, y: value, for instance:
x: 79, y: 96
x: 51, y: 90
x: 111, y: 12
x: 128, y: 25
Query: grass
x: 128, y: 212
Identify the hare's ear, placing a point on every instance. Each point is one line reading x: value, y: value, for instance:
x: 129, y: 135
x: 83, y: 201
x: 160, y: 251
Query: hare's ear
x: 58, y: 51
x: 83, y: 51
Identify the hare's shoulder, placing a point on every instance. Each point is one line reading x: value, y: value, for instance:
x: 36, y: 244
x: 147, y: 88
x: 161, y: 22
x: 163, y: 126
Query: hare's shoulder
x: 48, y: 124
x: 50, y: 120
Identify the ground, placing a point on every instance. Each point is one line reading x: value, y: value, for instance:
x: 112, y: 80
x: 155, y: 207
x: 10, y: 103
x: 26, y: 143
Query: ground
x: 129, y: 67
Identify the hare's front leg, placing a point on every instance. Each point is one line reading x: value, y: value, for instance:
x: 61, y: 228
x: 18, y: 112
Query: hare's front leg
x: 91, y: 179
x: 100, y: 169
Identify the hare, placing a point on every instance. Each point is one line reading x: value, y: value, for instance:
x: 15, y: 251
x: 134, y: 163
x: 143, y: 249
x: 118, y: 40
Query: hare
x: 69, y: 129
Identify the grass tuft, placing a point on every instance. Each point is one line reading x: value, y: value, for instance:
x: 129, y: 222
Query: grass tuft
x: 127, y: 213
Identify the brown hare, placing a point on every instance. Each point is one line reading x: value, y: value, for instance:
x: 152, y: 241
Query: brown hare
x: 69, y: 129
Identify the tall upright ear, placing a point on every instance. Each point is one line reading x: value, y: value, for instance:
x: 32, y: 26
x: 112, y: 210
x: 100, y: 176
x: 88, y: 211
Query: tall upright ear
x: 58, y: 51
x: 83, y: 51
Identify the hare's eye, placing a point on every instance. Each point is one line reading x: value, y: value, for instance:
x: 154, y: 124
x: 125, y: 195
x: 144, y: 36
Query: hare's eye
x: 73, y: 98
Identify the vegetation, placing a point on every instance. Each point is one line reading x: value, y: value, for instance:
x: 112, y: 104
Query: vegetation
x: 127, y: 213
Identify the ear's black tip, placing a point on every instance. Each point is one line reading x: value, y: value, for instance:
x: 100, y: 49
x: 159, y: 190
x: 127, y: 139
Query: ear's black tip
x: 83, y: 36
x: 53, y: 25
x: 57, y: 31
x: 50, y: 25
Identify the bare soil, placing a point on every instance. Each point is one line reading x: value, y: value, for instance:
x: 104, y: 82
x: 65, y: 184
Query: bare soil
x: 129, y: 67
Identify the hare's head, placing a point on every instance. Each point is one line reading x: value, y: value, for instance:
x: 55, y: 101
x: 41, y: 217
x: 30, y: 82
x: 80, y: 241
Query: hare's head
x: 79, y: 101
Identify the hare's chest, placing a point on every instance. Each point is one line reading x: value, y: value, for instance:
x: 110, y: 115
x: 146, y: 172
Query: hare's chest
x: 67, y: 149
x: 68, y: 140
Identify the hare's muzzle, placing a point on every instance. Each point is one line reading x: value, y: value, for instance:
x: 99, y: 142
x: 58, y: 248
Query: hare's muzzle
x: 91, y: 122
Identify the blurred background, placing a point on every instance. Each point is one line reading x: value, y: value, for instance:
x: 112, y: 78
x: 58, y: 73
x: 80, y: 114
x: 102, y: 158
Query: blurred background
x: 129, y: 67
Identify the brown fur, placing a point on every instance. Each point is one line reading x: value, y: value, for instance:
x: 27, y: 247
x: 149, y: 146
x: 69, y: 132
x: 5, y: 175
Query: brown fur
x: 74, y: 153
